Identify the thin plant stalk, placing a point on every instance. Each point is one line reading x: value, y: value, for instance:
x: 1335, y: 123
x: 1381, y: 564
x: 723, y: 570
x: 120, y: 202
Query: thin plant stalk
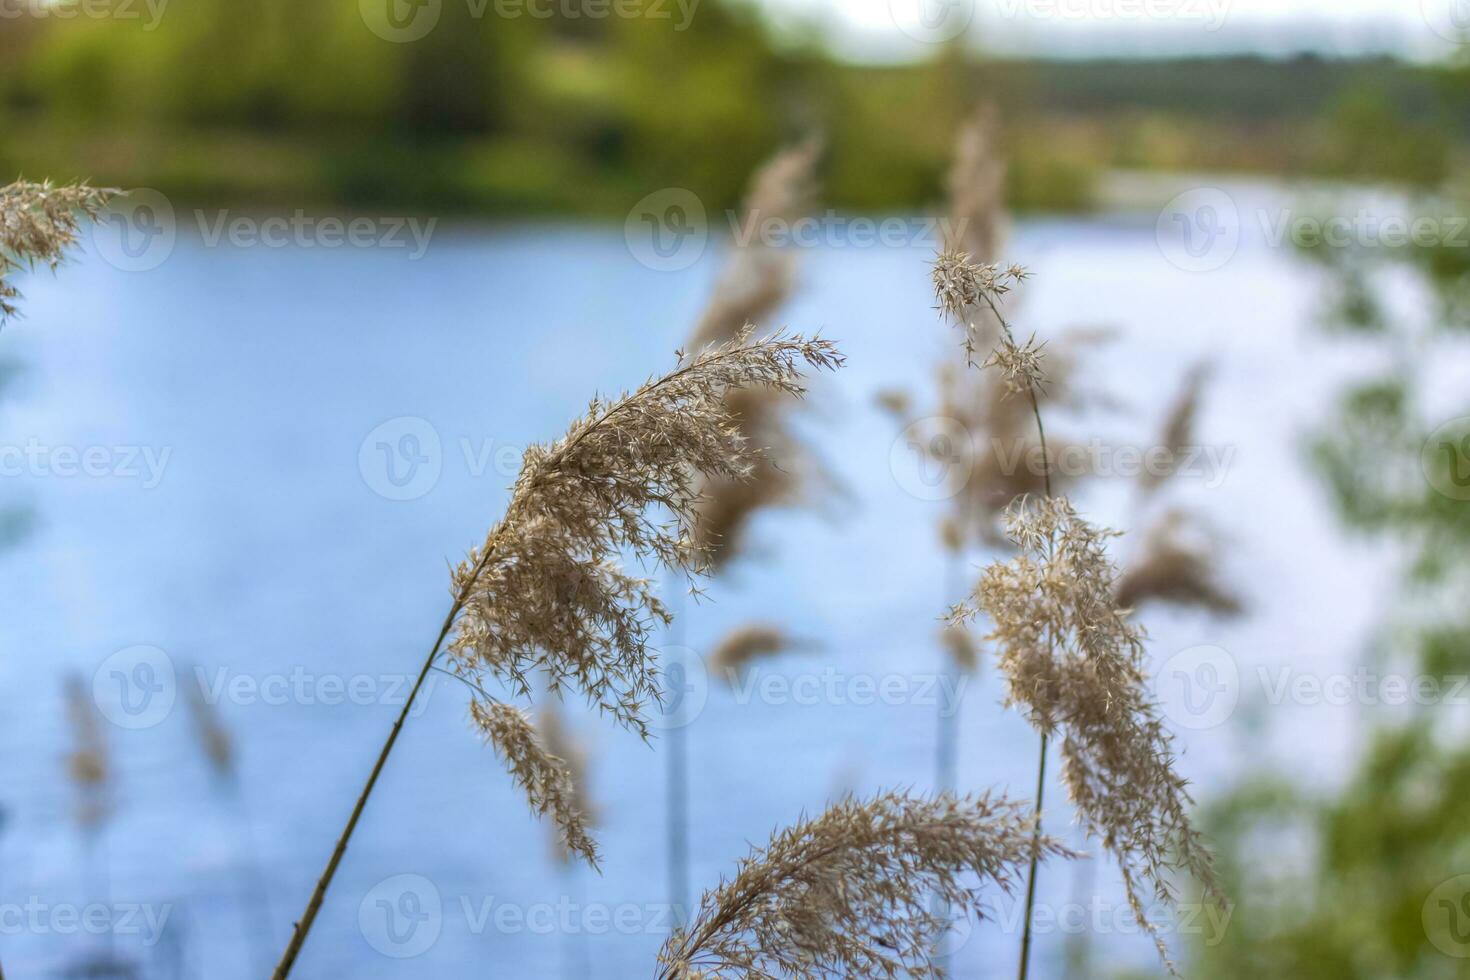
x: 314, y: 904
x: 678, y: 783
x: 1025, y: 963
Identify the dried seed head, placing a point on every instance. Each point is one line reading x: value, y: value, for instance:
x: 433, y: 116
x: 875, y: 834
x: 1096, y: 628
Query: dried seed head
x: 1019, y: 364
x: 546, y: 593
x: 959, y: 643
x: 213, y: 738
x: 545, y: 777
x: 969, y: 293
x: 1074, y: 665
x: 853, y: 893
x: 38, y: 223
x: 1178, y: 566
x: 562, y: 743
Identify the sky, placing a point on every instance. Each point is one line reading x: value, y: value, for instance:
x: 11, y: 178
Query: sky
x: 900, y: 29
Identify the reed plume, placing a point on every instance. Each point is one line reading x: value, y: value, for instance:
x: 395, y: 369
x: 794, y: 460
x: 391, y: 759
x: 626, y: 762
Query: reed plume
x: 88, y: 763
x: 546, y: 592
x: 746, y: 644
x: 1178, y: 565
x: 561, y: 743
x: 1178, y: 428
x: 852, y: 892
x: 1074, y: 665
x: 756, y: 282
x: 38, y: 223
x: 1073, y: 662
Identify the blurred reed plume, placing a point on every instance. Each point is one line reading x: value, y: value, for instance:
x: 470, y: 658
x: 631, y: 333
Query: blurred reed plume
x: 88, y: 764
x: 1178, y: 566
x: 38, y: 223
x: 563, y: 744
x: 757, y: 281
x: 851, y: 893
x: 746, y: 644
x: 1074, y: 664
x: 760, y: 276
x: 1178, y: 428
x: 214, y: 739
x: 546, y: 592
x: 959, y: 642
x: 979, y: 222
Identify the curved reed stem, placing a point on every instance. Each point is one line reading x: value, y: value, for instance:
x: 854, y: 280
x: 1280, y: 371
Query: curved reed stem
x: 314, y: 904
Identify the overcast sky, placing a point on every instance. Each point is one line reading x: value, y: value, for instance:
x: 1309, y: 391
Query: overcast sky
x: 896, y: 29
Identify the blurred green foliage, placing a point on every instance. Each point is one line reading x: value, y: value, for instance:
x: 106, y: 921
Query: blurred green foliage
x: 279, y: 102
x: 1347, y: 884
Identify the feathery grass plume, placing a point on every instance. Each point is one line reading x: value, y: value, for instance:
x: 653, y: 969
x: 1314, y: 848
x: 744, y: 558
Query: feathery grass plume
x: 978, y: 219
x: 851, y: 893
x: 745, y: 644
x: 546, y: 592
x: 1074, y: 664
x: 965, y: 291
x: 546, y: 778
x: 1177, y: 566
x: 1178, y: 430
x: 563, y: 744
x: 38, y: 223
x: 87, y: 764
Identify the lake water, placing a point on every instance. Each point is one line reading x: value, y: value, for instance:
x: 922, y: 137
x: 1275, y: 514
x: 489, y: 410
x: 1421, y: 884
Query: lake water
x: 240, y: 525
